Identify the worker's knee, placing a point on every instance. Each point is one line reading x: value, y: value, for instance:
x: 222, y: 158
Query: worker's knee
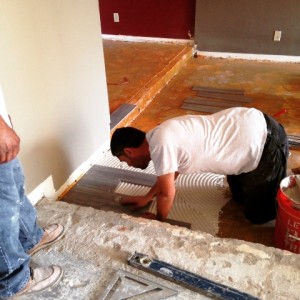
x: 260, y: 216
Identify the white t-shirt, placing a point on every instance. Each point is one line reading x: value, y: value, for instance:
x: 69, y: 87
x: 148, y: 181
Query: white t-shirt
x: 228, y: 142
x: 3, y: 110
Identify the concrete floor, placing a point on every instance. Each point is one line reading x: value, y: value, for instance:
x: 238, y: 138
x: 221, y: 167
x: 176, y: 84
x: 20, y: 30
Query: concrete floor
x: 97, y: 244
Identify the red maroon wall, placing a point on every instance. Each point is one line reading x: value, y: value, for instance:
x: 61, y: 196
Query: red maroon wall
x: 149, y: 18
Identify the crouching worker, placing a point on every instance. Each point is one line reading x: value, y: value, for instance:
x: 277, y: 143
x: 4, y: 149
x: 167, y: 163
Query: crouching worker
x: 248, y: 146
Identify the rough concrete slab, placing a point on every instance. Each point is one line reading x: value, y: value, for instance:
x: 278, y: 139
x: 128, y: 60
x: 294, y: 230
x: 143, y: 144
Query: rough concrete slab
x: 97, y: 244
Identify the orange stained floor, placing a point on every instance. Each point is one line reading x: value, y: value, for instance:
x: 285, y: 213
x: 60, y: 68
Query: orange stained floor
x: 135, y: 72
x: 272, y: 86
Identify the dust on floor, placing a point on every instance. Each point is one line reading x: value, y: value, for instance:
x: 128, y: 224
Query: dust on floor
x: 97, y: 245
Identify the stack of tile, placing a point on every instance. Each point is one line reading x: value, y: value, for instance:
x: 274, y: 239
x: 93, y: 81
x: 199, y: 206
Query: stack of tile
x: 294, y: 141
x: 212, y: 100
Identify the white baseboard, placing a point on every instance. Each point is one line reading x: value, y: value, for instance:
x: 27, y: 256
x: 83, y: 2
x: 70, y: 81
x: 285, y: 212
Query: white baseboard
x: 246, y: 56
x: 127, y: 38
x: 47, y: 189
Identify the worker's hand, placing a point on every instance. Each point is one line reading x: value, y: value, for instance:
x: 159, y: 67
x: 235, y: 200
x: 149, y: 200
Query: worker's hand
x: 9, y: 142
x: 135, y: 202
x: 149, y: 215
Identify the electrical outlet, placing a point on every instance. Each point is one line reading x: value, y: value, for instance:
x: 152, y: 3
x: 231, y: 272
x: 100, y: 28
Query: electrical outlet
x: 277, y: 35
x: 116, y: 18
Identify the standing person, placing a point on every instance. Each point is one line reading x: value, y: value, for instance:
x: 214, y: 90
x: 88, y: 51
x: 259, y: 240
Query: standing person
x: 248, y: 146
x: 20, y: 235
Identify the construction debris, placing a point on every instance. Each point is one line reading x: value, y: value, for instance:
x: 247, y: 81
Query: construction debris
x: 124, y: 80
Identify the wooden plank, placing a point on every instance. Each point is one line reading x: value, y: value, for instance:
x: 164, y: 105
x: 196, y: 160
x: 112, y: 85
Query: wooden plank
x: 100, y: 193
x: 99, y: 180
x: 293, y: 145
x: 107, y: 201
x: 107, y: 178
x: 212, y: 102
x: 96, y: 189
x: 294, y: 141
x: 218, y: 90
x: 104, y: 201
x: 120, y: 113
x: 202, y: 108
x: 294, y: 137
x: 129, y: 176
x: 229, y: 97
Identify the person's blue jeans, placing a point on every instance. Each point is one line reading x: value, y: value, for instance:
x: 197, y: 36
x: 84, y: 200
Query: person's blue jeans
x: 19, y: 231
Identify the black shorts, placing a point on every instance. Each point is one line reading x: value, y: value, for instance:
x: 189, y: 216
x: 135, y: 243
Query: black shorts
x: 257, y: 189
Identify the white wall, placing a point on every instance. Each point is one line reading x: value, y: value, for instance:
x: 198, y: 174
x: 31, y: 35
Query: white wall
x: 52, y: 74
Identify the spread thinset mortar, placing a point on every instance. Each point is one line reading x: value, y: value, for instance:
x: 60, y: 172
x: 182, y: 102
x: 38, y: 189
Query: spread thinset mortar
x: 199, y: 197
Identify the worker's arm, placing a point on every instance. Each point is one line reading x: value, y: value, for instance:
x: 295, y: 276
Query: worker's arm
x: 165, y: 195
x: 164, y: 190
x: 9, y: 142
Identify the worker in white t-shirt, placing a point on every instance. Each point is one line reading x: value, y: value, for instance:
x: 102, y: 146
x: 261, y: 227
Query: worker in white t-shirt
x: 20, y: 235
x: 248, y: 146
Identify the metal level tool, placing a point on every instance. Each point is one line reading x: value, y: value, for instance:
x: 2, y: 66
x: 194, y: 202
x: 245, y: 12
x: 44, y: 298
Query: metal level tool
x: 125, y: 286
x: 195, y: 282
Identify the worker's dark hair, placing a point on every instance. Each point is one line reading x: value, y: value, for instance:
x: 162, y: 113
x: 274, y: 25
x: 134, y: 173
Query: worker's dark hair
x: 126, y: 137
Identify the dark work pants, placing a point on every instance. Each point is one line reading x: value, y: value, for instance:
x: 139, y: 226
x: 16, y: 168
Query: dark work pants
x: 257, y: 189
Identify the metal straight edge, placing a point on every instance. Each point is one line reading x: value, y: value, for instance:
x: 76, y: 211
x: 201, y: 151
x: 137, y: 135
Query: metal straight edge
x: 190, y: 280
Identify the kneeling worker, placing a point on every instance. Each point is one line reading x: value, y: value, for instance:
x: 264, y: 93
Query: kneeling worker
x: 245, y: 144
